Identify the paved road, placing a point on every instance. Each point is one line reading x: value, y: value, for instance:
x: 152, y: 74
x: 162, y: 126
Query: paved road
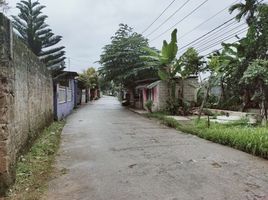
x: 111, y: 153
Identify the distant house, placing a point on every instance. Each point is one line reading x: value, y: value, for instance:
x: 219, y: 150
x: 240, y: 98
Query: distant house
x: 157, y: 91
x: 65, y: 94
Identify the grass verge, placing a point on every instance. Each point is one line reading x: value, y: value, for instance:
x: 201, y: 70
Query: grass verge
x: 33, y: 169
x: 239, y: 135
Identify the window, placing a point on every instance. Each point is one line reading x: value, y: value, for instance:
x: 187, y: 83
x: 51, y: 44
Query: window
x: 69, y: 95
x: 62, y: 95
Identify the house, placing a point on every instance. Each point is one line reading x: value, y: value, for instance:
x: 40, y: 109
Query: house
x: 65, y: 88
x: 157, y: 91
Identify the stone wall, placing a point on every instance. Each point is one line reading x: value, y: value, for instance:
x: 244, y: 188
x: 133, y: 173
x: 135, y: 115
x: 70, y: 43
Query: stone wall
x: 26, y: 100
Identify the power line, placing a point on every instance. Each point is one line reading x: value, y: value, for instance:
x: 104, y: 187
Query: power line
x: 220, y: 33
x: 207, y: 40
x: 174, y: 13
x: 158, y: 16
x: 207, y: 36
x: 207, y: 20
x: 211, y: 31
x: 214, y: 51
x: 223, y: 40
x: 199, y: 6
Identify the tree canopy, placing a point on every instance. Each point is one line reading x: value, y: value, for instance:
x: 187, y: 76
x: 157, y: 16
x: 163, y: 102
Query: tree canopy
x: 36, y: 34
x: 121, y: 60
x: 89, y: 78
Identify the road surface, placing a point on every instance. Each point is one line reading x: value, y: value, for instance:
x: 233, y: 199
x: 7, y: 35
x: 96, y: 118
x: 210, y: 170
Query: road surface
x: 110, y: 153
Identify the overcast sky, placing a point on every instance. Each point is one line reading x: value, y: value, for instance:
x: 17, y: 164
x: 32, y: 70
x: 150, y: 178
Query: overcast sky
x: 87, y: 25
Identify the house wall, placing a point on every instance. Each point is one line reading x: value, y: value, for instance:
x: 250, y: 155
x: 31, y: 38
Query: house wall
x: 65, y: 108
x: 26, y: 100
x: 190, y: 89
x: 160, y: 92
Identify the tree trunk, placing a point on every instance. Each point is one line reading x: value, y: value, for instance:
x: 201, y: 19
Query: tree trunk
x: 203, y: 103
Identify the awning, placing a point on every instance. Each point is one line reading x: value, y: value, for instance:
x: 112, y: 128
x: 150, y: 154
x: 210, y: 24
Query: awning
x: 154, y: 84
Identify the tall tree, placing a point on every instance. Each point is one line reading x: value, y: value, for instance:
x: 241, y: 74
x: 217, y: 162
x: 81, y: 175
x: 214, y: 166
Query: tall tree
x: 257, y: 74
x: 246, y: 9
x: 121, y: 60
x: 36, y: 34
x: 191, y: 62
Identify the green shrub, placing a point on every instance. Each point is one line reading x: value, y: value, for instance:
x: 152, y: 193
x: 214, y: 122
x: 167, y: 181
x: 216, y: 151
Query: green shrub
x: 149, y: 105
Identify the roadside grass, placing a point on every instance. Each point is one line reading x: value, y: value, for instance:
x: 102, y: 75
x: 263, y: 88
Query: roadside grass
x: 34, y: 169
x: 170, y: 122
x: 239, y: 135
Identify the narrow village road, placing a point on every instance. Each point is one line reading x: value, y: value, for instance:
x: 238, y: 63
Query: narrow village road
x: 110, y: 153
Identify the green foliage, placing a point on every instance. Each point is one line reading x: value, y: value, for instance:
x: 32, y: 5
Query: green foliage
x: 247, y: 10
x: 257, y: 71
x: 89, y: 78
x: 121, y: 60
x: 168, y: 121
x: 36, y: 34
x: 191, y: 62
x: 149, y: 105
x: 34, y: 168
x: 239, y: 135
x: 165, y: 61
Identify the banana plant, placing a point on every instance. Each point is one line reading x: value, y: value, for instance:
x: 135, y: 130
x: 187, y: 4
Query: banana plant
x: 166, y: 62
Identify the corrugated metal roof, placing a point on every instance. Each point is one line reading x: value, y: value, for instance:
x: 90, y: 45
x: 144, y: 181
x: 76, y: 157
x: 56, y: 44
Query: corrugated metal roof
x: 154, y: 84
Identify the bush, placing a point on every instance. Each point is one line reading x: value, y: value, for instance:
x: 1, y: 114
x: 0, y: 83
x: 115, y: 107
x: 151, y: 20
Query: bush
x: 149, y: 105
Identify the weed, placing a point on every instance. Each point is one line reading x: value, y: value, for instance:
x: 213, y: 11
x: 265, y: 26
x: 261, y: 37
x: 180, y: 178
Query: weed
x: 34, y: 168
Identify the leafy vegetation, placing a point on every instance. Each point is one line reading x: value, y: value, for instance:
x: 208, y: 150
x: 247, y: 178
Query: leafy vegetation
x: 237, y: 68
x: 36, y: 34
x: 120, y: 60
x: 89, y: 78
x: 237, y: 71
x: 171, y: 68
x: 34, y: 168
x: 239, y: 135
x: 149, y: 105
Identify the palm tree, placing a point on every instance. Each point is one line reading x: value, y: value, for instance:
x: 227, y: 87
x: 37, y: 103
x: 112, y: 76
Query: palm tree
x: 247, y: 10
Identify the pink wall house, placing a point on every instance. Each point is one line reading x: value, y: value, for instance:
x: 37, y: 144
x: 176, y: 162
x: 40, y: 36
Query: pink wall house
x: 158, y: 92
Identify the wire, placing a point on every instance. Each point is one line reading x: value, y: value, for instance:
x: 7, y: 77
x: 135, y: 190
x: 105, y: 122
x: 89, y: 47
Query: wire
x: 215, y: 36
x: 183, y: 5
x: 207, y: 36
x: 211, y: 31
x: 199, y: 6
x: 214, y: 51
x: 207, y: 40
x: 223, y: 40
x: 158, y: 16
x: 207, y: 20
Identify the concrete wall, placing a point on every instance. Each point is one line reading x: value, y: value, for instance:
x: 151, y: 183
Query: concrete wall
x: 26, y: 100
x: 190, y: 87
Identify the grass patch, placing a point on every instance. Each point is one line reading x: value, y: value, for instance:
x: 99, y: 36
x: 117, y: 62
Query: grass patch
x: 239, y: 135
x: 170, y: 122
x: 34, y: 168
